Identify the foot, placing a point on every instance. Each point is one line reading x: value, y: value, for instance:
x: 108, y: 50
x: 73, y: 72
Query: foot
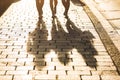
x: 40, y: 17
x: 66, y: 14
x: 53, y: 16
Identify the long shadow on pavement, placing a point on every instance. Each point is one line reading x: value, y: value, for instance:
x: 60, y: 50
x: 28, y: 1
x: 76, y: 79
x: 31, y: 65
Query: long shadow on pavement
x: 62, y: 43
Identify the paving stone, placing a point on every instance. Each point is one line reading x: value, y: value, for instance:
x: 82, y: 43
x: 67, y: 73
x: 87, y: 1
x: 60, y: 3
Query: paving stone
x: 16, y: 72
x: 77, y: 68
x: 7, y: 68
x: 34, y: 72
x: 110, y: 77
x: 2, y: 72
x: 69, y: 77
x: 90, y: 77
x: 81, y: 72
x: 24, y: 67
x: 32, y: 52
x: 45, y: 77
x: 6, y: 77
x: 23, y: 77
x: 24, y: 59
x: 65, y: 68
x: 104, y: 72
x: 106, y: 68
x: 15, y: 63
x: 57, y: 72
x: 16, y: 56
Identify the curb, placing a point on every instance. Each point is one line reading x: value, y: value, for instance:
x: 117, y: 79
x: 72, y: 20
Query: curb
x: 104, y: 29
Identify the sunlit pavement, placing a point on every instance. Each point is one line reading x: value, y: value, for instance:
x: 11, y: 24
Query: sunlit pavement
x: 110, y: 10
x: 60, y: 49
x: 106, y: 21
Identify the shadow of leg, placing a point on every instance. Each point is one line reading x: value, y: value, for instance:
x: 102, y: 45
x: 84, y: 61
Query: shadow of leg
x: 62, y: 48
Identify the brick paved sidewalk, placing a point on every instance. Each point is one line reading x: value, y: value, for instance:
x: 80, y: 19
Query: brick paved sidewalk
x: 59, y: 49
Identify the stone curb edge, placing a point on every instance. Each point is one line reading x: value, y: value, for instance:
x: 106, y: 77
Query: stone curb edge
x: 103, y: 28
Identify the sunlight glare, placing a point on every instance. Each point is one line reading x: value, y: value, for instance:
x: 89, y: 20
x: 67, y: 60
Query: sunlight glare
x: 51, y: 54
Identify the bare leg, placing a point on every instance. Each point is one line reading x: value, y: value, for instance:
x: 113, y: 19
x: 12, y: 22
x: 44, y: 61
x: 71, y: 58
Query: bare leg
x: 66, y: 4
x: 39, y: 5
x: 53, y: 5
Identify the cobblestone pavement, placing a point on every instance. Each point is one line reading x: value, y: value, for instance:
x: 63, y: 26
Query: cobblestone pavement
x: 59, y: 49
x: 109, y: 35
x: 109, y: 9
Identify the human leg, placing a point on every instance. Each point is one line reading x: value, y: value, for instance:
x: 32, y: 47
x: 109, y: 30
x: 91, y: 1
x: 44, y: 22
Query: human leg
x: 53, y: 5
x: 39, y: 5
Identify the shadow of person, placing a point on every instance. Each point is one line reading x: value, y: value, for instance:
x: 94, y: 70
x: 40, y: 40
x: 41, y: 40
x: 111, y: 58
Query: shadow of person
x: 4, y: 4
x: 39, y: 6
x: 61, y: 42
x: 84, y: 40
x: 36, y: 44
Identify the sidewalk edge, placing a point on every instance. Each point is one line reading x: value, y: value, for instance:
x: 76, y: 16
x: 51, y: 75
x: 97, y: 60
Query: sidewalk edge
x: 103, y: 28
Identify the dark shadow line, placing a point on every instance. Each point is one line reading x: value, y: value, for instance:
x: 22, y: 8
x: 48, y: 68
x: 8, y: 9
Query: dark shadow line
x: 78, y: 2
